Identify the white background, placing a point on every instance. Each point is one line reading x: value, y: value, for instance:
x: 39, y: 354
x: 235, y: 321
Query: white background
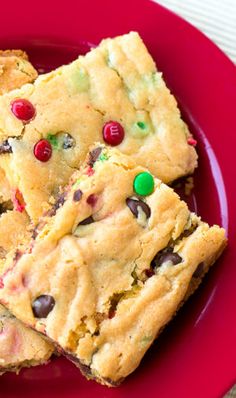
x: 216, y: 18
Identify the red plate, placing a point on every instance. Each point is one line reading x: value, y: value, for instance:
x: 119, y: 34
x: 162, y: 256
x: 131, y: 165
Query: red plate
x: 196, y: 355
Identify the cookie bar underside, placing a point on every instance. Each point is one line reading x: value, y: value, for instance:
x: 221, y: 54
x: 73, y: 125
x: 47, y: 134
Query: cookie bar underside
x: 116, y: 81
x: 117, y: 296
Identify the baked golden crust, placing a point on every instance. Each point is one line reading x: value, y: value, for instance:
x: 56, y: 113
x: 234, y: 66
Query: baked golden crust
x: 103, y: 275
x: 15, y: 70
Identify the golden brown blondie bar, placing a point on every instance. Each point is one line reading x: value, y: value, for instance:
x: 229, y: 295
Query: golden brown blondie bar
x: 109, y: 265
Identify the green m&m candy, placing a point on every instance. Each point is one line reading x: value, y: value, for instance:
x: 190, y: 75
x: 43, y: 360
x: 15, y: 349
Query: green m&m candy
x: 144, y: 184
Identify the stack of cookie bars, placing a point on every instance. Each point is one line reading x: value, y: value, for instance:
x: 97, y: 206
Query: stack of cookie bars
x: 88, y: 227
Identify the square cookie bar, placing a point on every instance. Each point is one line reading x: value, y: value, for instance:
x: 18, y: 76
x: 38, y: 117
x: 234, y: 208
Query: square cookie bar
x: 115, y: 94
x: 19, y: 346
x: 109, y: 265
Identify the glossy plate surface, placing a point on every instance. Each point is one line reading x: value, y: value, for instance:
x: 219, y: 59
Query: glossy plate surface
x: 196, y: 355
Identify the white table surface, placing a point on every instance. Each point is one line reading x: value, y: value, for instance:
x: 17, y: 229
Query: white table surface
x: 216, y: 18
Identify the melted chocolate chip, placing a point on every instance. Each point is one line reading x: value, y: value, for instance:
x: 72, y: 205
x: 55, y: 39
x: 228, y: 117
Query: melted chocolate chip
x: 68, y: 141
x: 42, y: 305
x: 94, y: 155
x: 149, y: 272
x: 77, y: 195
x: 133, y: 205
x: 165, y: 256
x: 186, y: 233
x: 87, y: 221
x: 5, y: 147
x: 111, y: 313
x: 198, y: 273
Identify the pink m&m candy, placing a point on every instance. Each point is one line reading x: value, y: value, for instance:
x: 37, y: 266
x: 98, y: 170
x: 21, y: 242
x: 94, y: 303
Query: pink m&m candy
x: 113, y: 133
x: 23, y: 109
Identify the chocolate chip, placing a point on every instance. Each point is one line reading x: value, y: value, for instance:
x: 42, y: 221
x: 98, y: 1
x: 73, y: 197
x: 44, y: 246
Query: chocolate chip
x: 198, y: 273
x: 5, y: 147
x: 87, y: 221
x: 94, y: 155
x: 68, y: 141
x: 77, y: 195
x: 133, y: 205
x: 111, y: 313
x: 149, y: 272
x: 186, y: 233
x: 165, y: 256
x: 42, y: 305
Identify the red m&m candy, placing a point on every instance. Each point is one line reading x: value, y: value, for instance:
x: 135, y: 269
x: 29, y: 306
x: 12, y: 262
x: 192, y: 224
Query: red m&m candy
x: 113, y: 133
x: 192, y: 141
x: 23, y: 109
x: 43, y: 150
x: 92, y: 200
x: 18, y: 201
